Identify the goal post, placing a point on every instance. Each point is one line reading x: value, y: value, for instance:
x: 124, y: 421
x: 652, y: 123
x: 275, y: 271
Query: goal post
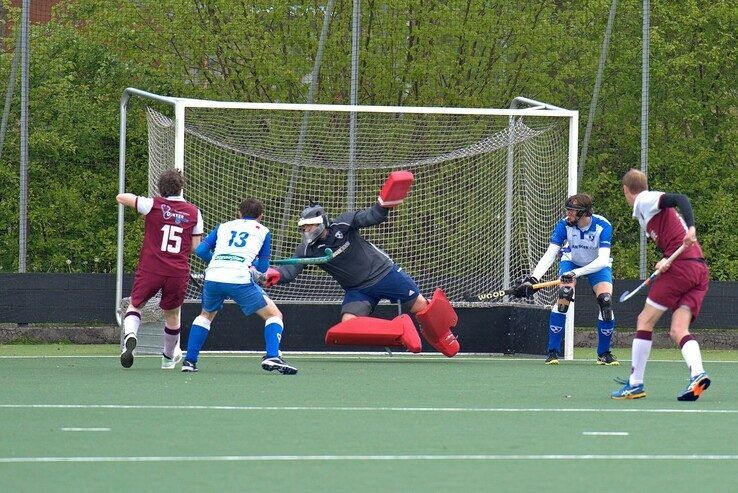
x: 571, y: 186
x: 489, y: 183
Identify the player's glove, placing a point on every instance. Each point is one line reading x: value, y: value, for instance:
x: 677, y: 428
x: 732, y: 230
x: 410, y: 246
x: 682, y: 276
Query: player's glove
x: 525, y: 289
x: 568, y: 277
x: 272, y: 277
x: 257, y: 277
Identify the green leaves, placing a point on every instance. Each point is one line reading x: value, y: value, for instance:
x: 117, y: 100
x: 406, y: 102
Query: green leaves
x: 474, y: 53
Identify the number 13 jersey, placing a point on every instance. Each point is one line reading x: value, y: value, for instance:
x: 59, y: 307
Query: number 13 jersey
x: 235, y: 245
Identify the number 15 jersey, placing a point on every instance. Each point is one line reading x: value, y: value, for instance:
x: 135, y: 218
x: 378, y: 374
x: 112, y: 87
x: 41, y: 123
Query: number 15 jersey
x: 171, y: 222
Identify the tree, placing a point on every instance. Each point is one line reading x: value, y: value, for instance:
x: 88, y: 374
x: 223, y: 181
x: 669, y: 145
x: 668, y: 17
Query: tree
x: 477, y: 53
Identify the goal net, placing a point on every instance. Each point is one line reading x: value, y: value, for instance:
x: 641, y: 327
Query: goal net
x: 489, y: 184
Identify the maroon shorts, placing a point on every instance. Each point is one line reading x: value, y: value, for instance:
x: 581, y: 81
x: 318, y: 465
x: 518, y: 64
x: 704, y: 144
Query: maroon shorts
x: 146, y: 285
x: 685, y: 283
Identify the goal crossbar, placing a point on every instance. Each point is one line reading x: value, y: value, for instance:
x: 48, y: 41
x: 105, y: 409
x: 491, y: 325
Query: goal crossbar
x: 540, y: 109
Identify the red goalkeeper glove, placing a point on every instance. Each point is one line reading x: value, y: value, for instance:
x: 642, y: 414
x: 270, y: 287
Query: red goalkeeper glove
x: 271, y: 277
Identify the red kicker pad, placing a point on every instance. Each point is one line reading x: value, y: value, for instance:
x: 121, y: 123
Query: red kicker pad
x: 370, y: 331
x: 395, y: 188
x: 437, y: 319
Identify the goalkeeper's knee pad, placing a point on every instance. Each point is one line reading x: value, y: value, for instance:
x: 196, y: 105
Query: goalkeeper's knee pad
x: 605, y: 302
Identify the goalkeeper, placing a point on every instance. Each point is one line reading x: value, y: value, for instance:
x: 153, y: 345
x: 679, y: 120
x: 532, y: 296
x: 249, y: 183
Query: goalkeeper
x: 584, y: 239
x: 367, y: 274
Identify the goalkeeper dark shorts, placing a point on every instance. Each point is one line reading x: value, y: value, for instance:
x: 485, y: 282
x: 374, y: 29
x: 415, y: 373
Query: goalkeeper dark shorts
x: 397, y: 285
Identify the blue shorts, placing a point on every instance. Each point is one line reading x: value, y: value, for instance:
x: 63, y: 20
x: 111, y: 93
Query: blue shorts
x: 396, y: 286
x: 602, y: 275
x: 249, y: 297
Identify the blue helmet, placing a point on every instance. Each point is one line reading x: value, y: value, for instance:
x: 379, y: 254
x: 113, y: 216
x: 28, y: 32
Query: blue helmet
x: 313, y: 214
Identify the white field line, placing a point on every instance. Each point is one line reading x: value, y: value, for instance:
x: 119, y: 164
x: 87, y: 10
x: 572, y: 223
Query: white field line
x: 335, y: 458
x: 85, y: 429
x: 367, y: 409
x: 605, y: 433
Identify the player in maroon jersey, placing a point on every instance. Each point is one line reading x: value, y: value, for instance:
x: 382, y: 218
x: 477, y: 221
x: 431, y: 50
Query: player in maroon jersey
x: 681, y: 287
x: 173, y: 229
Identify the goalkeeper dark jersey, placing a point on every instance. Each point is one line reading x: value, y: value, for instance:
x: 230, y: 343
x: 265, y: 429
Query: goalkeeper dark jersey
x: 356, y: 262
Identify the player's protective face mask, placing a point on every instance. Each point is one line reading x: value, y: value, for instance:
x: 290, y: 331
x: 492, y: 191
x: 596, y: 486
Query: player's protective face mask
x: 311, y: 232
x: 573, y: 219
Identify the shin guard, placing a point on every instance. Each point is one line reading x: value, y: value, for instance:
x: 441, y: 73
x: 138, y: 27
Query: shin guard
x: 370, y: 331
x: 436, y: 320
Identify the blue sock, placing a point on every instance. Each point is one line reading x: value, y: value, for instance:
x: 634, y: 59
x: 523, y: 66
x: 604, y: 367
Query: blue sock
x: 556, y: 323
x: 198, y: 334
x: 272, y: 335
x: 604, y: 335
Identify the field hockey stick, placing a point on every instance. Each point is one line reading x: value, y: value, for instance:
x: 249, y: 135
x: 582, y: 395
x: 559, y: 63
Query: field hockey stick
x: 328, y: 255
x: 495, y: 295
x: 629, y: 294
x: 197, y: 280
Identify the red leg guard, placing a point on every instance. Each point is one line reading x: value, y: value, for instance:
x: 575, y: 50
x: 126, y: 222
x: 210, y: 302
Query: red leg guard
x: 370, y: 331
x: 437, y: 319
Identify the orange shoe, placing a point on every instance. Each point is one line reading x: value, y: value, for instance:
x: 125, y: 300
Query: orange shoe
x: 697, y: 385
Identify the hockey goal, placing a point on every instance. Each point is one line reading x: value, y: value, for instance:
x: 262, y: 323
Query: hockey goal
x: 489, y: 183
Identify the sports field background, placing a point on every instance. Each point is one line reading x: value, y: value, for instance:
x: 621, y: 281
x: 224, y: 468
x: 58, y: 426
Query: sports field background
x: 74, y: 420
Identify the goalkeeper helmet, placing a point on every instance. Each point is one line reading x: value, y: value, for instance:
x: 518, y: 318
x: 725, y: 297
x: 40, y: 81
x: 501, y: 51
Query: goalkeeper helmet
x: 313, y: 214
x: 582, y: 204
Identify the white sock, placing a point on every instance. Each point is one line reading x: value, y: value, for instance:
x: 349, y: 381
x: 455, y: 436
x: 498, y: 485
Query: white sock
x: 171, y: 339
x: 693, y: 357
x: 131, y: 323
x: 641, y: 352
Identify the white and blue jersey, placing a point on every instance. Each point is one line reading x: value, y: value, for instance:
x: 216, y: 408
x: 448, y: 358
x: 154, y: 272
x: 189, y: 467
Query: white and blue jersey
x: 582, y: 246
x: 585, y: 251
x: 231, y: 249
x: 236, y: 245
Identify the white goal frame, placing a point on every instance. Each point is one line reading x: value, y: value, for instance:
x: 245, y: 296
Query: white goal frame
x: 519, y: 107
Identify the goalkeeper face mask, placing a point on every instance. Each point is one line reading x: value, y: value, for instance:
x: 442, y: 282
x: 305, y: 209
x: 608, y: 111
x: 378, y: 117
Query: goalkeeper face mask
x: 311, y: 233
x: 312, y: 215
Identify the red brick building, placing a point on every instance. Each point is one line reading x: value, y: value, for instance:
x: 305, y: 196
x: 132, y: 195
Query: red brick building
x: 40, y: 9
